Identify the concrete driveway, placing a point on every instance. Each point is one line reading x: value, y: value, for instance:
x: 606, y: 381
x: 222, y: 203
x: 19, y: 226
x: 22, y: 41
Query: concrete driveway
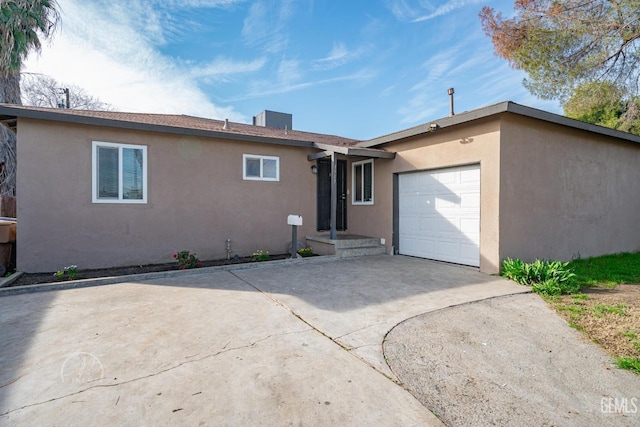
x: 251, y: 346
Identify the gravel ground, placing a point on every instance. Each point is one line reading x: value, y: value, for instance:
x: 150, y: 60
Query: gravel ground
x: 510, y: 361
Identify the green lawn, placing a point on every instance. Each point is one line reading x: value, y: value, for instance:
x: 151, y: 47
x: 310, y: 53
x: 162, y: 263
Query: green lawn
x: 608, y: 270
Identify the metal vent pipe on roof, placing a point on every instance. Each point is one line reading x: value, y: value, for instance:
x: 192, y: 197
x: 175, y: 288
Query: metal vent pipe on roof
x: 226, y: 124
x: 450, y: 91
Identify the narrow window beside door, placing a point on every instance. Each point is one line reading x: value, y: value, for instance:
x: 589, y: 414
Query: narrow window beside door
x: 362, y: 182
x: 119, y: 173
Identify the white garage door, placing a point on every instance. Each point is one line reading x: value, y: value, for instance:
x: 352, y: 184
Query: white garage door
x: 439, y: 214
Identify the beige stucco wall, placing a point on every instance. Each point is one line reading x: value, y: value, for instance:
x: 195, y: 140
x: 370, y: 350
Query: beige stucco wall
x: 566, y: 193
x: 196, y: 199
x: 475, y: 142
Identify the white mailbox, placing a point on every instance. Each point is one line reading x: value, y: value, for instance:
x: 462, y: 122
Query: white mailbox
x: 294, y: 220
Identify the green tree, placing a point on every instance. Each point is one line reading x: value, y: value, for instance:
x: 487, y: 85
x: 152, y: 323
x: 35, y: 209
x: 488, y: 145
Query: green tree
x: 604, y: 104
x: 22, y: 23
x: 563, y: 43
x: 597, y: 103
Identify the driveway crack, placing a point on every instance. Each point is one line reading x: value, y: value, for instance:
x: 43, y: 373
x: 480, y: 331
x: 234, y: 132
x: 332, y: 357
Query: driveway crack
x: 163, y: 371
x: 358, y: 330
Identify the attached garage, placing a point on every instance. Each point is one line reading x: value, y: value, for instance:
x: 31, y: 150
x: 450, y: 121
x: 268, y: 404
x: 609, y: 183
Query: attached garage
x: 439, y: 214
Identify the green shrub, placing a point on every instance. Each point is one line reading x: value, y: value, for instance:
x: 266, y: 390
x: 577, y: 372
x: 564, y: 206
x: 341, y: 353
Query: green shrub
x: 187, y: 260
x: 305, y: 252
x: 545, y: 277
x: 261, y: 256
x: 71, y: 272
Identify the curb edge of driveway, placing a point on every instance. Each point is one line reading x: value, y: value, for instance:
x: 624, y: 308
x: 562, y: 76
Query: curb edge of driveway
x: 100, y: 281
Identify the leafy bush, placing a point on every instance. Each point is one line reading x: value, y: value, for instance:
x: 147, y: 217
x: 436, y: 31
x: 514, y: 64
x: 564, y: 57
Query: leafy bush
x: 305, y: 252
x: 261, y: 256
x: 187, y: 260
x: 71, y: 272
x: 545, y: 277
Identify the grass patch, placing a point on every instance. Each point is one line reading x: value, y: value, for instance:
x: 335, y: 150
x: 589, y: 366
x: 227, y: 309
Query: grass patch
x: 582, y: 292
x: 571, y: 308
x: 601, y: 309
x: 576, y: 326
x: 630, y: 363
x: 608, y: 270
x: 581, y: 297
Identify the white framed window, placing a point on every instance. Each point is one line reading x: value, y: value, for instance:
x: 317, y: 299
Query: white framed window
x: 260, y: 168
x: 119, y: 173
x: 362, y: 182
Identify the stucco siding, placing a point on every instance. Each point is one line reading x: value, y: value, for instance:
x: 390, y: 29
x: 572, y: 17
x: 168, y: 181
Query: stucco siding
x: 197, y: 199
x: 566, y: 193
x: 472, y: 143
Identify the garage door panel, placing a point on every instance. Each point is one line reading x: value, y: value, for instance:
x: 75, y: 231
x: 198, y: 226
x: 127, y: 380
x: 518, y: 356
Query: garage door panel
x: 439, y: 214
x: 470, y: 227
x: 447, y: 202
x: 470, y: 176
x: 470, y: 201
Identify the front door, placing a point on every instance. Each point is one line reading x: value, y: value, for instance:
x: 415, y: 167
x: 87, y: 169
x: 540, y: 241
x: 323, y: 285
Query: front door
x: 324, y: 195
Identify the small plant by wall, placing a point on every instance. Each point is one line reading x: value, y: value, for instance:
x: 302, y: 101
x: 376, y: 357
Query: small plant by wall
x: 544, y: 277
x: 261, y: 255
x: 70, y: 272
x: 305, y: 252
x: 187, y: 260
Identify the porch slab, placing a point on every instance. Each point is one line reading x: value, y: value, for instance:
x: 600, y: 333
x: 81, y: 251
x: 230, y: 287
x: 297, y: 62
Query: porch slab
x: 345, y: 245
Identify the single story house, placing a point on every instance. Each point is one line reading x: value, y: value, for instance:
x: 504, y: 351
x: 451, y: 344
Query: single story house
x: 101, y: 189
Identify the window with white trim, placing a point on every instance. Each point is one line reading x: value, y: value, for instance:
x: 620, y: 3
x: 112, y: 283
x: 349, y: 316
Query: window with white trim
x: 362, y: 182
x: 119, y: 173
x: 260, y: 168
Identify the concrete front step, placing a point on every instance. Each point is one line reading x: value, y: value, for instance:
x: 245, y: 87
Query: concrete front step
x: 346, y: 245
x: 361, y: 251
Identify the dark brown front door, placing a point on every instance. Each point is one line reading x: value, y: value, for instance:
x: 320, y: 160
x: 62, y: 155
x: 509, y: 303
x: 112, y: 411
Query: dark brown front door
x: 324, y: 195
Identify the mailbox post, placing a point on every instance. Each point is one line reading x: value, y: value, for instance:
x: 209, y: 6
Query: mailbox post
x: 294, y: 221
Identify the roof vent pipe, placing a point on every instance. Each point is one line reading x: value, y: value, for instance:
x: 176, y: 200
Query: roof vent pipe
x: 226, y: 124
x: 450, y: 91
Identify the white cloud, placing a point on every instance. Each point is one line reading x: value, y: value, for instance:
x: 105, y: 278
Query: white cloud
x: 262, y: 88
x: 338, y: 56
x: 401, y: 9
x: 409, y: 11
x: 111, y: 51
x: 289, y: 72
x: 446, y: 8
x: 222, y: 67
x: 266, y: 26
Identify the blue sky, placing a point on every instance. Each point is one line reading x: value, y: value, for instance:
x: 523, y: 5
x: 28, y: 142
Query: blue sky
x: 354, y: 68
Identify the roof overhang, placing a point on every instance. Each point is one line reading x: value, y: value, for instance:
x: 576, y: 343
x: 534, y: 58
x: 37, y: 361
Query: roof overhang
x: 9, y: 113
x: 353, y: 151
x: 493, y: 110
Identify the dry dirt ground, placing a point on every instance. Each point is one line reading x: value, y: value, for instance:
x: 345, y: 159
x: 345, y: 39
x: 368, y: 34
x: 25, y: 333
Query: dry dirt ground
x: 608, y: 317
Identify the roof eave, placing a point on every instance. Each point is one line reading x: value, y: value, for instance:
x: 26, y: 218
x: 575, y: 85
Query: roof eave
x: 7, y: 112
x: 356, y: 151
x: 503, y: 107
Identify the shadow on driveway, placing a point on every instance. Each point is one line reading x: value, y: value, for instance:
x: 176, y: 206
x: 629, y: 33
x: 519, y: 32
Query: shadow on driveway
x: 218, y: 345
